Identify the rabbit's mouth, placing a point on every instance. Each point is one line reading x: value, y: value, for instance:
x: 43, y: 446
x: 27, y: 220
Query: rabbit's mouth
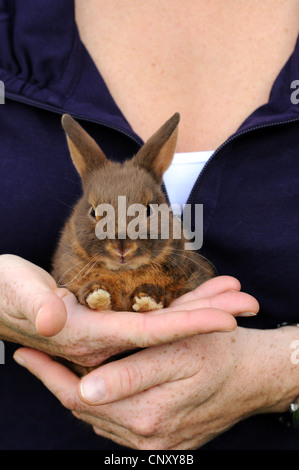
x: 117, y: 265
x: 123, y: 255
x: 123, y: 264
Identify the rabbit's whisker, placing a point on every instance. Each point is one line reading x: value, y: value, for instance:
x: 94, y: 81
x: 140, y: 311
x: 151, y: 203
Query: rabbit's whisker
x: 65, y: 273
x: 175, y: 262
x: 197, y: 254
x: 91, y: 264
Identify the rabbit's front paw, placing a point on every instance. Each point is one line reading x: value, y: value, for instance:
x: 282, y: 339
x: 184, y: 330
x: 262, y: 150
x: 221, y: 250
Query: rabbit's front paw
x: 95, y: 296
x: 147, y: 298
x: 145, y: 303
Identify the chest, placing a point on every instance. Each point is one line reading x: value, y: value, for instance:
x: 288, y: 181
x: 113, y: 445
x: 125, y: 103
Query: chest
x: 214, y: 62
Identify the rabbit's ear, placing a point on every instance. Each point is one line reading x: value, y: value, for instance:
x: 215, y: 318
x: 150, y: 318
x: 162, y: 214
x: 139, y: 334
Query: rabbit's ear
x: 156, y: 154
x: 85, y: 152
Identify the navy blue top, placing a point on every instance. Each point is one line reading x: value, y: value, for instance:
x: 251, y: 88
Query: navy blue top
x: 249, y: 188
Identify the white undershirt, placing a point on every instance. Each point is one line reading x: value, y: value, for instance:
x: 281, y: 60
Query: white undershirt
x: 180, y: 177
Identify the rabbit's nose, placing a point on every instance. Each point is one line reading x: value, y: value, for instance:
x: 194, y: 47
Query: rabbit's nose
x: 121, y: 251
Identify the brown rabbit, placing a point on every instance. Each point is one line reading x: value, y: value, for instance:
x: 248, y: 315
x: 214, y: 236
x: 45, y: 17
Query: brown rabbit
x: 120, y: 273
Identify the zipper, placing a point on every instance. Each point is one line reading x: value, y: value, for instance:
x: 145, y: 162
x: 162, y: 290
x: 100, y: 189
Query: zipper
x: 139, y: 141
x: 224, y: 144
x: 53, y: 109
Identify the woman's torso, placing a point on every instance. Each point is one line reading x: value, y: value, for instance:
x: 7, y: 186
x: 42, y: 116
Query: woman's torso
x: 251, y: 208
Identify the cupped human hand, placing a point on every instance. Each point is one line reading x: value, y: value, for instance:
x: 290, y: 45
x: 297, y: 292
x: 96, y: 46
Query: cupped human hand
x: 156, y: 398
x: 35, y: 313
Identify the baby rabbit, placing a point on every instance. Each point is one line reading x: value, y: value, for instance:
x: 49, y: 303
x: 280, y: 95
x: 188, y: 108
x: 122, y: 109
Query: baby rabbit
x: 121, y: 272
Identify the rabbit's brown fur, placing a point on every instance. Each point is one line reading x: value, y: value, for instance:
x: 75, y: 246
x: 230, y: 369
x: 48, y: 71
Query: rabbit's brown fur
x: 121, y: 273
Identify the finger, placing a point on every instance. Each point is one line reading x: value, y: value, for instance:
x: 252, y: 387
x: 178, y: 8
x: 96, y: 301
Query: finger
x: 137, y: 373
x: 234, y: 302
x: 57, y: 378
x: 49, y: 312
x: 117, y: 433
x: 213, y: 286
x: 165, y: 325
x: 128, y: 438
x: 64, y: 384
x: 31, y: 289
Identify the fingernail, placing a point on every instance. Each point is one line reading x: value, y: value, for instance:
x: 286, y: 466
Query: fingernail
x: 93, y: 389
x: 246, y: 314
x: 19, y: 360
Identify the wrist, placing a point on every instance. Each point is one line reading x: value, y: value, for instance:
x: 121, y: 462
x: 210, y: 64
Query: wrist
x: 273, y: 374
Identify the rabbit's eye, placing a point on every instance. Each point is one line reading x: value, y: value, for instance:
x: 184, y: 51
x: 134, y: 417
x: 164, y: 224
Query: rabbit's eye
x: 92, y: 212
x: 149, y: 210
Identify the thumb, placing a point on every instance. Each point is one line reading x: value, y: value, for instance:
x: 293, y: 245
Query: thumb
x: 26, y: 290
x: 134, y: 374
x: 49, y: 311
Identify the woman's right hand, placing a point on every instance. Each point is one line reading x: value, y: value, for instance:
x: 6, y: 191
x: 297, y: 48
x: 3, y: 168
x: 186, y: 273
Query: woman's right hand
x: 34, y: 312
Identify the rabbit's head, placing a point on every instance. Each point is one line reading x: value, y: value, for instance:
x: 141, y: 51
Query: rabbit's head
x: 108, y: 225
